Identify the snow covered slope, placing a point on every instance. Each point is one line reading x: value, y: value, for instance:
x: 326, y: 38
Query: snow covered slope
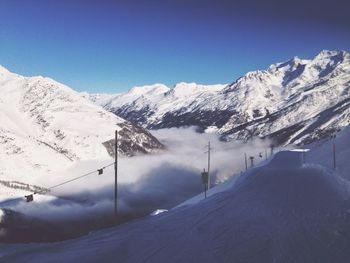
x: 297, y: 101
x: 322, y: 153
x: 45, y: 126
x: 283, y: 211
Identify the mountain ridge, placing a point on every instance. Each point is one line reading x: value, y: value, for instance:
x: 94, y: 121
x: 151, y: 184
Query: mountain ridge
x: 298, y: 93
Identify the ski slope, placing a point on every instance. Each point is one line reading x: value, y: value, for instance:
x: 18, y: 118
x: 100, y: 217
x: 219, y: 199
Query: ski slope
x: 281, y: 211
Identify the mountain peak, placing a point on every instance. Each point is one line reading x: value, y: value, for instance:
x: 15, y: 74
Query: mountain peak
x: 296, y: 60
x: 330, y: 54
x: 184, y: 89
x: 185, y: 85
x: 290, y: 64
x: 4, y: 70
x: 326, y: 52
x: 154, y: 89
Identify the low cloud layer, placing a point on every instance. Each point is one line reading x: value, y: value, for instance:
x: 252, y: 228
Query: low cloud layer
x: 145, y: 183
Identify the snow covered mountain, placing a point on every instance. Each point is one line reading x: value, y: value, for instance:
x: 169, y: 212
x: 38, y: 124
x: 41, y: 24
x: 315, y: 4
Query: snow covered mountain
x: 298, y: 101
x: 283, y: 210
x: 45, y: 126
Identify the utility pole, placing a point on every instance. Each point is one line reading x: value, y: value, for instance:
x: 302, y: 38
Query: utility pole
x: 271, y: 148
x: 304, y: 154
x: 246, y: 162
x: 209, y: 149
x: 116, y: 177
x: 205, y: 182
x: 334, y: 159
x: 251, y: 161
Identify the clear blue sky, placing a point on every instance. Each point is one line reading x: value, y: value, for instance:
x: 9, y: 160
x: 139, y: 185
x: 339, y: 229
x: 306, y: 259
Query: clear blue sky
x: 110, y: 46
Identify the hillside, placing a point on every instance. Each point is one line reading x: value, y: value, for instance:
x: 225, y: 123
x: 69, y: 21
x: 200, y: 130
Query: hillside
x: 295, y: 102
x: 40, y: 117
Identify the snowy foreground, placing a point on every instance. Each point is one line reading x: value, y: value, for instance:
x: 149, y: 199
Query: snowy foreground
x: 281, y: 211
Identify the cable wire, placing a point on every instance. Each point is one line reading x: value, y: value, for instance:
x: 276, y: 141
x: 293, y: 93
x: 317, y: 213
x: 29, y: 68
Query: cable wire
x: 29, y: 197
x: 73, y: 179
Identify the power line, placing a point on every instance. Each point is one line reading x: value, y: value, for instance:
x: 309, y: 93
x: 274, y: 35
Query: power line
x: 29, y: 197
x: 79, y: 177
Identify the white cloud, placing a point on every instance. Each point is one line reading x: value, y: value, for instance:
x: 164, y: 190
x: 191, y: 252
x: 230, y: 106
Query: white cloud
x: 147, y: 182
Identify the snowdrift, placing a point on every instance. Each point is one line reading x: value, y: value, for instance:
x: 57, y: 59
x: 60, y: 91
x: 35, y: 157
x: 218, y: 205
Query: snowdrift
x: 284, y: 211
x: 322, y: 152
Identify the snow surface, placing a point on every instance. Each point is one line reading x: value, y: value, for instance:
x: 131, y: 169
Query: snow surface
x: 282, y: 211
x: 322, y: 152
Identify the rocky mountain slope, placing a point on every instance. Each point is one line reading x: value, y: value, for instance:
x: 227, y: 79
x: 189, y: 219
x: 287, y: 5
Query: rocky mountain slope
x: 293, y: 102
x: 45, y: 126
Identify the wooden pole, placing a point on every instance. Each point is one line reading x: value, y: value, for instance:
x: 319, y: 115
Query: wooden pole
x: 116, y: 176
x: 251, y: 161
x: 209, y: 164
x: 205, y: 181
x: 334, y: 160
x: 205, y: 187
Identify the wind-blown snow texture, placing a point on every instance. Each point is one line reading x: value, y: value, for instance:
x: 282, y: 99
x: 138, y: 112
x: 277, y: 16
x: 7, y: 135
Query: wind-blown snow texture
x: 45, y: 126
x: 298, y: 101
x: 282, y: 211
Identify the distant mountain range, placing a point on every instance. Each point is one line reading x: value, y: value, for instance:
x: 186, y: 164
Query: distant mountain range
x: 294, y: 102
x: 46, y: 126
